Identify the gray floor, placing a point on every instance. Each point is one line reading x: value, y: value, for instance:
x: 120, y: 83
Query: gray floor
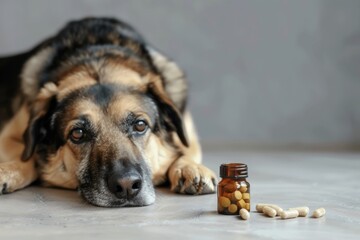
x: 315, y: 179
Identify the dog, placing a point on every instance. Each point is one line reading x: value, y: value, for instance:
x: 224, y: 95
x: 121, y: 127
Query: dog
x: 97, y: 109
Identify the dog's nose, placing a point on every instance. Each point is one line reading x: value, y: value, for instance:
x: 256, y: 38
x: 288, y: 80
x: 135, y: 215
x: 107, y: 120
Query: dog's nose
x: 125, y: 186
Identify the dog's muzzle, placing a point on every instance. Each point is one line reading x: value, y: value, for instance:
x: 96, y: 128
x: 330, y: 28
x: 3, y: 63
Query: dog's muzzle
x: 126, y: 183
x: 122, y: 183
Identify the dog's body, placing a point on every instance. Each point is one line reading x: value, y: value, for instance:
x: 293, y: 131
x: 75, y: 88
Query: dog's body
x: 96, y: 108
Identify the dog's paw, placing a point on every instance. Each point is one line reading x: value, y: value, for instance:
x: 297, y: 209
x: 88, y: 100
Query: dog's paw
x: 14, y: 175
x: 191, y: 178
x: 4, y: 186
x: 8, y: 178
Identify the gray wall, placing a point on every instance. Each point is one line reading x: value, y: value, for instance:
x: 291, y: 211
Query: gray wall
x: 266, y: 72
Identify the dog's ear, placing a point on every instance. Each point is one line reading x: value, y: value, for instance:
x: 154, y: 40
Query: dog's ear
x: 39, y: 115
x: 169, y: 112
x: 32, y: 136
x: 173, y: 76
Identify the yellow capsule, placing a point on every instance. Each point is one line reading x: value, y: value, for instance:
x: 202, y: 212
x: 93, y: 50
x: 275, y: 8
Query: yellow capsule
x: 236, y: 196
x: 232, y: 208
x: 246, y: 196
x: 224, y: 202
x: 243, y: 189
x: 241, y: 203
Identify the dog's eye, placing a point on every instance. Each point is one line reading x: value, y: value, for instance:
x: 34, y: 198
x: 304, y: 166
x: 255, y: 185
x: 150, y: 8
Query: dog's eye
x: 140, y: 126
x: 77, y: 134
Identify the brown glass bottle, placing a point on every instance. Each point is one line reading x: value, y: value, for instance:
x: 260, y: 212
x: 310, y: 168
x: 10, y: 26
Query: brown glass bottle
x: 233, y: 189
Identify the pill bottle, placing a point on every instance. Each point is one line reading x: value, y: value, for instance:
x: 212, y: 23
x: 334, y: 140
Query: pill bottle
x: 233, y: 192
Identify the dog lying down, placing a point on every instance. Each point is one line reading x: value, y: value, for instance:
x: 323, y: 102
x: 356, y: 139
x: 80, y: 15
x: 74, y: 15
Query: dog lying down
x: 95, y: 108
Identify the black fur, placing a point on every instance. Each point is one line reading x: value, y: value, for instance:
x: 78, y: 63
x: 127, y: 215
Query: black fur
x: 10, y: 68
x: 93, y: 37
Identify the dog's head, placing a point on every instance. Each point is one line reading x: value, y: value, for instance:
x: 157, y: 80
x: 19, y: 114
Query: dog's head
x: 105, y: 130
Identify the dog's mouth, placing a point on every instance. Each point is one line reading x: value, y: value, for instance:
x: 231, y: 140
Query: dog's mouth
x: 126, y: 188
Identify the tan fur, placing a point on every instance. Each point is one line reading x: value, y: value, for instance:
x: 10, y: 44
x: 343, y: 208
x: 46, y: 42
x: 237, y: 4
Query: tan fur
x: 106, y: 72
x: 124, y: 104
x: 115, y: 73
x: 41, y: 101
x: 194, y: 149
x: 15, y: 173
x: 160, y: 156
x: 78, y: 78
x: 31, y: 71
x: 61, y: 169
x: 174, y: 77
x: 188, y: 168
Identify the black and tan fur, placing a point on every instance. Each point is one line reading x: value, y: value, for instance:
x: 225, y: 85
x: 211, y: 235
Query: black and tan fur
x: 98, y: 75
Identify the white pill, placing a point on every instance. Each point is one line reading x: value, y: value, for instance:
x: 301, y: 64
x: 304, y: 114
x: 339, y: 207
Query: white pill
x: 289, y: 214
x: 269, y: 211
x: 319, y: 213
x: 244, y: 214
x: 303, y: 211
x: 260, y: 207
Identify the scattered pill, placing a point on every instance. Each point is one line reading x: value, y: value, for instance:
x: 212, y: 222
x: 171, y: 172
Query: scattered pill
x: 289, y: 214
x: 277, y: 209
x: 319, y: 213
x: 260, y: 206
x: 244, y: 214
x: 303, y: 211
x: 269, y: 211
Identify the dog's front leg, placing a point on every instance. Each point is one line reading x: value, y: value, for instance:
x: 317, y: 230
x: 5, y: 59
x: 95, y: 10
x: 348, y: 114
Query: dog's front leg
x: 187, y: 174
x: 14, y: 173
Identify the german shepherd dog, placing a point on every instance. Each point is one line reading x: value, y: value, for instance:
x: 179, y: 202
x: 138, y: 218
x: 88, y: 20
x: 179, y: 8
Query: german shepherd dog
x: 95, y: 108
